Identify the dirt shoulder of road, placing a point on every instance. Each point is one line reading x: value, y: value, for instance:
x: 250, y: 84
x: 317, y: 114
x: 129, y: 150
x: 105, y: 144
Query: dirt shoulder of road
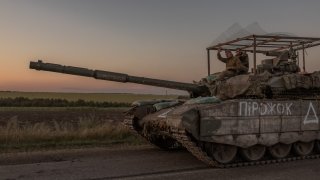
x: 65, y: 154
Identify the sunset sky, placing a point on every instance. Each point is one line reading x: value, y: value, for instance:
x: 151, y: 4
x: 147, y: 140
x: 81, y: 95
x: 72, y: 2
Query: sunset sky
x: 163, y: 39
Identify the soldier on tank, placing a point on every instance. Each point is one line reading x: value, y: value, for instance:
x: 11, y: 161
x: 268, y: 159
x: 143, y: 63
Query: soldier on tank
x: 244, y: 59
x: 233, y: 65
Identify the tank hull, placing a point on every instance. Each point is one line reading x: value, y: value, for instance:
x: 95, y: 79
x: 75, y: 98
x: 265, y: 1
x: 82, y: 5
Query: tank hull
x: 239, y: 124
x: 245, y: 123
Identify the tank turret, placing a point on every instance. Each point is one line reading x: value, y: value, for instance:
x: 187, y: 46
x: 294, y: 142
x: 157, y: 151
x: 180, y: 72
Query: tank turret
x: 194, y: 89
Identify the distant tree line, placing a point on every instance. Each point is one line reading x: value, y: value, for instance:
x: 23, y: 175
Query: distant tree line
x: 47, y: 102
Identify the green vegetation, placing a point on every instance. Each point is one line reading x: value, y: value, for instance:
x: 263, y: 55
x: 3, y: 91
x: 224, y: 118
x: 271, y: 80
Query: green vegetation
x: 35, y: 120
x: 86, y: 132
x: 58, y: 109
x: 37, y: 102
x: 96, y: 97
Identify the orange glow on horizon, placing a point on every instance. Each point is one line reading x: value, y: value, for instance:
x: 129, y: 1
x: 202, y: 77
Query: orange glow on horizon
x: 158, y: 39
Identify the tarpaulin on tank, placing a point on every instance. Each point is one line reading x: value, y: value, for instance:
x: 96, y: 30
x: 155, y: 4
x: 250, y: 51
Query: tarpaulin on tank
x: 148, y: 102
x: 163, y: 105
x: 247, y: 84
x: 232, y: 87
x: 203, y: 100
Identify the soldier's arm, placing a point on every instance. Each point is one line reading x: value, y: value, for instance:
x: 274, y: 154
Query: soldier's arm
x: 241, y: 67
x: 222, y: 59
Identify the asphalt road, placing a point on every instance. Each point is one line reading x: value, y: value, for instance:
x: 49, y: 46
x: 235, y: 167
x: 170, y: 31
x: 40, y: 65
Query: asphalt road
x: 139, y: 163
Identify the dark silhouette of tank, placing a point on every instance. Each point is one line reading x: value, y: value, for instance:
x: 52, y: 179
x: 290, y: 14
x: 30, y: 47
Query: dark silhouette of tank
x: 267, y: 116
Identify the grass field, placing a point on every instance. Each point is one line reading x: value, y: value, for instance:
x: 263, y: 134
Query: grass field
x: 34, y: 128
x: 87, y: 132
x: 40, y: 128
x: 97, y: 97
x: 43, y: 128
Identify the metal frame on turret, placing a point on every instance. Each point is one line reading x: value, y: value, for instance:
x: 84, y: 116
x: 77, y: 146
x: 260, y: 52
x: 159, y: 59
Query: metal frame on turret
x: 266, y: 44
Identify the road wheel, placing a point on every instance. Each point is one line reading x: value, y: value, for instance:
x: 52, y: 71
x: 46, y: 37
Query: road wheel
x: 303, y: 148
x: 280, y: 150
x: 223, y: 153
x: 253, y: 153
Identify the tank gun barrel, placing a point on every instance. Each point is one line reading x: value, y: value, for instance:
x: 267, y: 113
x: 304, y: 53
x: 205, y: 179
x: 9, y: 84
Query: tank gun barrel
x: 194, y: 89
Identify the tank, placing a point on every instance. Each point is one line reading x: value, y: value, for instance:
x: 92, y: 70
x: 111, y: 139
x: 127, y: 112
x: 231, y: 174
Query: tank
x: 270, y: 115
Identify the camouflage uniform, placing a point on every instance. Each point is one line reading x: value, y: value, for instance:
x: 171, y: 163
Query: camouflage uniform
x: 233, y: 67
x: 244, y: 59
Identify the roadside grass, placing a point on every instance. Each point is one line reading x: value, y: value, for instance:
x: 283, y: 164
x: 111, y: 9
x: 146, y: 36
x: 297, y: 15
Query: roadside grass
x: 86, y: 133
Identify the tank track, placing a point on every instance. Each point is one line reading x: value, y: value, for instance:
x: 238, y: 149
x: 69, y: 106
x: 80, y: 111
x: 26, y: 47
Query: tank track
x: 128, y: 123
x: 193, y: 147
x: 182, y: 137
